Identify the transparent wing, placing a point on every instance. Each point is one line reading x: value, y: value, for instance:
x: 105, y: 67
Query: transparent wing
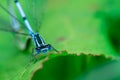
x: 34, y: 10
x: 10, y: 22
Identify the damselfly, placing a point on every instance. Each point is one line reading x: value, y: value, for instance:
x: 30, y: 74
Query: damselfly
x: 40, y: 45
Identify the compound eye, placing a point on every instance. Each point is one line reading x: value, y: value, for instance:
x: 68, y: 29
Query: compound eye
x: 44, y: 50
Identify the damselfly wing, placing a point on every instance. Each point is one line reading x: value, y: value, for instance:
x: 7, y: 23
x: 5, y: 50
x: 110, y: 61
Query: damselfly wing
x: 10, y: 23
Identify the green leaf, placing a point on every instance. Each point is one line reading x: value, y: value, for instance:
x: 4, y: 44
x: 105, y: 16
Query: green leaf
x: 68, y: 67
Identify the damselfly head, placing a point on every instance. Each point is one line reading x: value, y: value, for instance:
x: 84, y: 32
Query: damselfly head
x: 43, y: 49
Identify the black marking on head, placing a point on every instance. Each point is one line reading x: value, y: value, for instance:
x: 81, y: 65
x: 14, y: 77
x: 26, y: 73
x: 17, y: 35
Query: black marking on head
x: 16, y: 1
x: 24, y: 18
x: 42, y: 47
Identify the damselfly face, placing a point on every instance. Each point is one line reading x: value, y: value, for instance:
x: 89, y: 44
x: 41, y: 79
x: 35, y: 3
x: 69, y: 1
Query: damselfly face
x: 43, y: 48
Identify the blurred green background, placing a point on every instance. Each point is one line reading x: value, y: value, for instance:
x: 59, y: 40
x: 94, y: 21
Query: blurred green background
x: 86, y: 32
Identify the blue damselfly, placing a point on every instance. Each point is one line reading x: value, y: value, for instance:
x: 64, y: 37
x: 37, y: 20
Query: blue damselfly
x: 39, y: 43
